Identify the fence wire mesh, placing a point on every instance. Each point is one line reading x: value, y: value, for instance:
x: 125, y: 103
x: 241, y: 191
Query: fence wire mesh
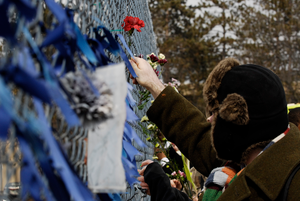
x: 88, y: 14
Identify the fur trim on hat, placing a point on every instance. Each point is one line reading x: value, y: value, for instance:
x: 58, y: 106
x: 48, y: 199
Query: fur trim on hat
x: 234, y: 109
x: 213, y: 82
x: 210, y: 95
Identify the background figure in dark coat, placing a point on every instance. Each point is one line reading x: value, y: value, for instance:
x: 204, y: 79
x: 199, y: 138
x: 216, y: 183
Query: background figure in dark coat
x: 249, y: 126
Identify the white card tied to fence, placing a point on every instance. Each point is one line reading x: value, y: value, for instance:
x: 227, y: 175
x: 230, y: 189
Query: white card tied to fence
x: 105, y: 169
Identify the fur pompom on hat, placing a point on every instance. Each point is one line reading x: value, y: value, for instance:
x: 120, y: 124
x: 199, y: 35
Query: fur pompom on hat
x: 249, y: 106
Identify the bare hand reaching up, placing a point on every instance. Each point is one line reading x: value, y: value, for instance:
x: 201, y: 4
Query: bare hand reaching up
x: 146, y: 76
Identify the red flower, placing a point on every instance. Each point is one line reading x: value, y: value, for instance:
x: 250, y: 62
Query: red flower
x: 162, y: 61
x: 131, y: 23
x: 153, y: 58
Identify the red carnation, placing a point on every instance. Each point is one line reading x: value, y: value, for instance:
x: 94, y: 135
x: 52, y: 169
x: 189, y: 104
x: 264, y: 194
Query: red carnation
x: 162, y: 61
x: 153, y: 58
x: 131, y: 23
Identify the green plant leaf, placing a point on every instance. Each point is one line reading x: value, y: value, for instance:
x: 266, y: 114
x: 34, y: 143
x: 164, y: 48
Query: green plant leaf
x: 187, y: 172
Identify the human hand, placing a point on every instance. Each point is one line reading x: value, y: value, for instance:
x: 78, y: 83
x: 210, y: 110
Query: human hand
x: 174, y: 147
x: 143, y: 184
x: 144, y: 165
x: 195, y: 198
x: 176, y: 184
x: 146, y: 76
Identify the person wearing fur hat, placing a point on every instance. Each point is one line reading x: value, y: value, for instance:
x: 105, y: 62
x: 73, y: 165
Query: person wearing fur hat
x: 248, y: 127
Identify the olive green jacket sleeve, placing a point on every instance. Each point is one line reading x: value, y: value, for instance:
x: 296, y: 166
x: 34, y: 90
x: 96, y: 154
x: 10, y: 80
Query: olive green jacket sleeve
x: 183, y: 124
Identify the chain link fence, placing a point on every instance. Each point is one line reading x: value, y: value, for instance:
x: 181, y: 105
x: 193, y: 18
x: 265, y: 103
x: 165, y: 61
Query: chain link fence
x: 88, y: 14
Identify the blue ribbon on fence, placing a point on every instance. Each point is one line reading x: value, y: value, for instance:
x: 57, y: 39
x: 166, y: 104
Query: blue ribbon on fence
x: 57, y: 10
x: 31, y: 179
x: 73, y: 184
x: 84, y: 47
x: 111, y: 44
x: 129, y: 97
x: 124, y: 56
x: 52, y: 84
x: 64, y: 46
x: 28, y: 65
x: 26, y: 131
x: 89, y: 66
x: 94, y: 89
x: 81, y: 41
x: 70, y: 116
x: 122, y: 39
x: 99, y: 52
x: 130, y: 115
x: 25, y: 8
x: 54, y: 36
x: 130, y: 150
x: 31, y: 140
x: 131, y: 134
x: 114, y: 197
x: 109, y: 197
x: 25, y: 81
x: 6, y: 100
x: 130, y: 170
x: 48, y: 72
x: 8, y: 32
x: 5, y: 120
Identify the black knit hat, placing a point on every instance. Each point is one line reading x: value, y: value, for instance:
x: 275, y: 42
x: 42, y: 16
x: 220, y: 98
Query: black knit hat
x: 249, y: 106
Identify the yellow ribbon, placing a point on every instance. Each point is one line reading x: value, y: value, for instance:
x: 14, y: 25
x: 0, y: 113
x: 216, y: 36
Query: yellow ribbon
x: 292, y: 106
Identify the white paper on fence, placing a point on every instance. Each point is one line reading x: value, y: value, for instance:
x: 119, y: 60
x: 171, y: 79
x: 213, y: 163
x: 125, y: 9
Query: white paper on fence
x: 105, y: 168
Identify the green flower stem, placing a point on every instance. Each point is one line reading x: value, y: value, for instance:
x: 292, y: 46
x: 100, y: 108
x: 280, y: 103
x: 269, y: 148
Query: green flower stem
x: 190, y: 191
x: 187, y: 191
x: 130, y: 34
x: 161, y: 69
x: 173, y: 166
x: 144, y: 97
x: 181, y: 179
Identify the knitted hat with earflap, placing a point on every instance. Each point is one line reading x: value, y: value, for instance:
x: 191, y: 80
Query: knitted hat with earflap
x: 249, y: 106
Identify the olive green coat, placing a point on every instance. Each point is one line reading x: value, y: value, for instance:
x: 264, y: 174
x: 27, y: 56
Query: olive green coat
x: 184, y: 125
